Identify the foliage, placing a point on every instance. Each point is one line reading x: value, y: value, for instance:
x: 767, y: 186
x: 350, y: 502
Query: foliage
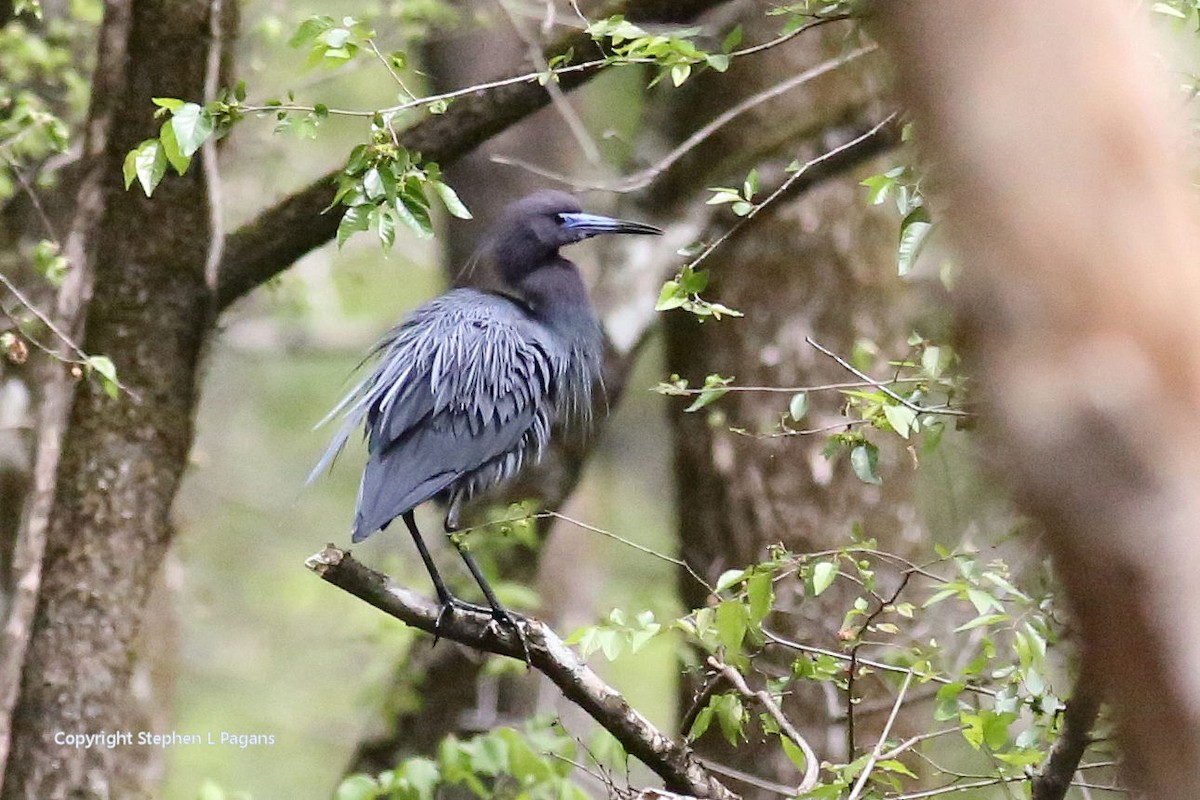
x: 531, y: 763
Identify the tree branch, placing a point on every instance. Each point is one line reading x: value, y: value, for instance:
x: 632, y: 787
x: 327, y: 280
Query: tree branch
x: 267, y: 245
x: 671, y: 761
x: 1054, y: 778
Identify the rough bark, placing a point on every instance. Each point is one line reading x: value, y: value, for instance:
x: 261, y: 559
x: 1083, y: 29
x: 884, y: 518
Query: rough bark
x: 121, y: 459
x: 818, y: 265
x: 1061, y: 168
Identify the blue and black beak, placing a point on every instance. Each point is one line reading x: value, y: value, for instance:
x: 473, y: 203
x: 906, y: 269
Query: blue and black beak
x: 585, y: 225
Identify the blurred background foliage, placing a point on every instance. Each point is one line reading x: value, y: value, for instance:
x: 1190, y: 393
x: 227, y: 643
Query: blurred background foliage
x: 245, y: 640
x: 263, y: 647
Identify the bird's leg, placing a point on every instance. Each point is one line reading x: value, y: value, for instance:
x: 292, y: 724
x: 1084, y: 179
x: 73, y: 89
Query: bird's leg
x: 499, y: 612
x: 446, y: 599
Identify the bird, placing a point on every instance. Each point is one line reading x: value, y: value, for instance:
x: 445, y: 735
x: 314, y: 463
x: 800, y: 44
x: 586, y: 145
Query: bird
x: 466, y: 390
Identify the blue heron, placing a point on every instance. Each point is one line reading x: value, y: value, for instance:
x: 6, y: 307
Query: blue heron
x: 465, y: 391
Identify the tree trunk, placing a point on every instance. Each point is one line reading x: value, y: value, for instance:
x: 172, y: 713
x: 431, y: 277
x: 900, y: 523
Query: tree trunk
x: 819, y: 265
x: 121, y: 458
x: 1069, y: 201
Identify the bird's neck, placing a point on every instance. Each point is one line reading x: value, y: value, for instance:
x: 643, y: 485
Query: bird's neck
x: 556, y: 295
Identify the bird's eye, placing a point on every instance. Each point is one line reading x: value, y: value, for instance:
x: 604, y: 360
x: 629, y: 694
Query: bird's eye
x: 561, y: 219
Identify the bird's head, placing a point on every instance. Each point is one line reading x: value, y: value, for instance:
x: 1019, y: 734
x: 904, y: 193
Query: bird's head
x: 532, y: 229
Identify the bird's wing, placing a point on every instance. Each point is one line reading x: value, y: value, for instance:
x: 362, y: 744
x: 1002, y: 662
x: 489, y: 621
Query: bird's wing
x: 463, y: 382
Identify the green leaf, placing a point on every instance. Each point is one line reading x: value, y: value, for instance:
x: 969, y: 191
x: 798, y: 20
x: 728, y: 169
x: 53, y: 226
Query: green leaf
x: 798, y: 406
x: 104, y: 367
x: 358, y: 787
x: 701, y: 723
x: 902, y: 419
x: 731, y: 624
x: 422, y: 775
x: 823, y: 575
x: 947, y: 701
x: 730, y: 577
x: 192, y: 126
x: 793, y: 752
x: 892, y: 765
x: 750, y: 186
x: 705, y: 397
x: 171, y: 104
x: 680, y: 73
x: 147, y: 163
x: 170, y: 145
x: 414, y: 215
x: 718, y: 61
x: 353, y: 221
x: 310, y: 29
x: 760, y: 592
x: 914, y: 232
x: 731, y: 715
x: 451, y: 200
x: 671, y: 296
x: 864, y: 460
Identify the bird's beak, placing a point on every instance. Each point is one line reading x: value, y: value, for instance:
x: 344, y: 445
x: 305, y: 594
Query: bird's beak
x: 593, y: 224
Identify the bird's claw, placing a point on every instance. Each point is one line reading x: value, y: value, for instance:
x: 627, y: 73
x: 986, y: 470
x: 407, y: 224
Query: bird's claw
x: 501, y: 618
x: 448, y: 604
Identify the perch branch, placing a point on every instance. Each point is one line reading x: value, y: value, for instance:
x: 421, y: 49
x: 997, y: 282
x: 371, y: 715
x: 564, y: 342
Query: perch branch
x: 672, y: 762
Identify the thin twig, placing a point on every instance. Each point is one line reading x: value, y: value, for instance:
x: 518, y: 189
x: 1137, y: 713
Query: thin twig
x: 643, y: 178
x: 812, y: 767
x: 820, y: 387
x: 81, y: 357
x: 557, y: 99
x: 866, y: 772
x: 852, y: 669
x: 879, y: 665
x: 787, y: 184
x: 883, y: 387
x: 208, y: 159
x: 745, y: 777
x: 908, y: 744
x: 387, y: 65
x: 34, y: 200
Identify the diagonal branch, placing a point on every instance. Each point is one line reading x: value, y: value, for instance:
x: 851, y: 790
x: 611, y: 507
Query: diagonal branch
x: 267, y: 245
x: 1054, y: 778
x: 671, y: 761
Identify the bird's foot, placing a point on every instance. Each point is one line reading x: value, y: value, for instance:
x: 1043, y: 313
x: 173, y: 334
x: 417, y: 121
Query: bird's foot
x: 500, y: 619
x: 448, y: 604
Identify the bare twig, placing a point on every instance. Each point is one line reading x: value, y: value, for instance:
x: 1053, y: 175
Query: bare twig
x: 388, y: 66
x: 881, y: 134
x: 879, y: 665
x: 672, y: 762
x: 208, y: 157
x: 812, y: 766
x: 883, y: 387
x: 866, y: 771
x: 79, y: 356
x: 643, y: 178
x: 557, y: 98
x: 852, y: 668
